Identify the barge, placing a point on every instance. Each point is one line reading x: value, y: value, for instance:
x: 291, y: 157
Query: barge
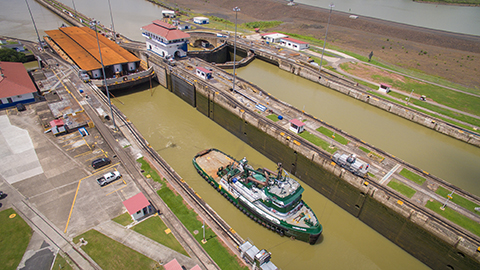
x: 269, y: 198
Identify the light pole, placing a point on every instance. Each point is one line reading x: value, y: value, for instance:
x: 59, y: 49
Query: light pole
x: 326, y: 32
x: 113, y: 26
x: 104, y: 76
x: 410, y: 96
x: 34, y: 25
x: 236, y: 9
x: 74, y: 8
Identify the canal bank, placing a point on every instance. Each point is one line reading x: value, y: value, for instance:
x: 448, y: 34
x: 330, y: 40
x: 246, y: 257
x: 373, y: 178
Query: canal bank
x: 351, y: 193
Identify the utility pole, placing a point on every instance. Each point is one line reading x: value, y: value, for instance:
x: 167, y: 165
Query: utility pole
x: 236, y: 9
x: 104, y: 76
x: 326, y: 32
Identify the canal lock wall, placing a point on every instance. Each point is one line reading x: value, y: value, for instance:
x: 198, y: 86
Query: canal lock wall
x: 390, y: 214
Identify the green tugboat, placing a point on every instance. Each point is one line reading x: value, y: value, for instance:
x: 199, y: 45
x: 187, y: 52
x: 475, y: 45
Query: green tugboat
x: 267, y: 197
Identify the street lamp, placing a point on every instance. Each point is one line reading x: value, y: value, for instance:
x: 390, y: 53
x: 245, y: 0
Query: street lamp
x: 34, y: 25
x: 236, y: 9
x: 409, y: 96
x: 326, y: 32
x: 113, y: 26
x: 93, y: 22
x: 74, y: 8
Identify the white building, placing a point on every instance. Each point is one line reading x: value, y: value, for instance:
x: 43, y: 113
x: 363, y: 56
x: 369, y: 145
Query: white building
x: 204, y: 73
x: 201, y: 20
x: 138, y: 206
x: 168, y: 14
x: 297, y: 126
x: 165, y: 39
x: 273, y: 37
x: 16, y: 86
x: 294, y: 44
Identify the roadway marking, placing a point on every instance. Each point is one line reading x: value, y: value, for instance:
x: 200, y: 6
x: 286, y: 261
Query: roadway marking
x: 84, y: 154
x: 95, y: 157
x: 116, y: 190
x: 73, y: 203
x: 389, y: 174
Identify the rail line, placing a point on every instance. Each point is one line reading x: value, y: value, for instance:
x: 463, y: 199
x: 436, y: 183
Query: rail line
x: 220, y: 224
x: 93, y: 265
x: 430, y: 215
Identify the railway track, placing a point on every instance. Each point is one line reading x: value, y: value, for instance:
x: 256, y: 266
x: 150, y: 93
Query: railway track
x: 431, y: 215
x: 220, y: 225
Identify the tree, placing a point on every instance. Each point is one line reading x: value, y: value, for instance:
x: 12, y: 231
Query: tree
x: 11, y: 55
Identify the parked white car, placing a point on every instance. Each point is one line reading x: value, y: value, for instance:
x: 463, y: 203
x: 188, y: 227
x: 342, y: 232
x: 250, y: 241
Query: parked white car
x: 108, y: 178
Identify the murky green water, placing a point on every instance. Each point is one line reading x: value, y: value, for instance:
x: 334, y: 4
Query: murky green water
x: 177, y: 131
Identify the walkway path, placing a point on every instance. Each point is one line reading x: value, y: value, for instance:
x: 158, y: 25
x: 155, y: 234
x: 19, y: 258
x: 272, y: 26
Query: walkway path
x: 142, y: 244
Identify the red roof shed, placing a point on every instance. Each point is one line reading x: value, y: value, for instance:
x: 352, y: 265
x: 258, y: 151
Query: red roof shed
x: 136, y: 203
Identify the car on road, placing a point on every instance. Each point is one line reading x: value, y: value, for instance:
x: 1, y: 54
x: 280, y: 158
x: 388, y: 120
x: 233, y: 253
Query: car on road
x: 100, y: 162
x: 108, y: 178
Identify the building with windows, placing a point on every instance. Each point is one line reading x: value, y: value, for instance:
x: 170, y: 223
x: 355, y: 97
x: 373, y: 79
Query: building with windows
x: 16, y: 86
x: 165, y: 39
x: 138, y: 206
x: 294, y: 44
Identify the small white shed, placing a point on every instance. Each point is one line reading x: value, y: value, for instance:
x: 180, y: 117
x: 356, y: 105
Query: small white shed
x: 138, y: 206
x: 297, y: 126
x: 204, y: 73
x: 201, y: 20
x: 294, y: 44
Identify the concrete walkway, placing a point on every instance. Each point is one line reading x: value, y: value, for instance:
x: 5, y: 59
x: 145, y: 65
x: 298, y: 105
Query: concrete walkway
x: 142, y: 244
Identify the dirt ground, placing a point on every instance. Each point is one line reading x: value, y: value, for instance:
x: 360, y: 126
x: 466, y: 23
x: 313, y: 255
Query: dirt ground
x: 452, y: 56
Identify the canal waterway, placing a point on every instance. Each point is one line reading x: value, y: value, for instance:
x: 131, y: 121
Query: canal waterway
x: 452, y: 18
x: 178, y: 131
x: 440, y: 155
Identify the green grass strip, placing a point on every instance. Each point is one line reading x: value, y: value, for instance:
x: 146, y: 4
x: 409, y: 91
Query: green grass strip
x: 457, y: 199
x: 273, y: 117
x: 189, y: 219
x: 339, y: 138
x: 402, y: 188
x: 15, y: 235
x: 364, y: 149
x: 110, y: 254
x: 61, y: 263
x: 318, y: 142
x: 412, y: 176
x: 124, y: 219
x: 455, y: 217
x: 154, y: 228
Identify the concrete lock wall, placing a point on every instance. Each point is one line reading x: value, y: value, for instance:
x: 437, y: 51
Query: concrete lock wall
x: 425, y: 239
x: 342, y: 85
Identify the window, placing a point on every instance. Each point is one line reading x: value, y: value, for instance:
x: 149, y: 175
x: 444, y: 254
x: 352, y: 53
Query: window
x: 139, y: 211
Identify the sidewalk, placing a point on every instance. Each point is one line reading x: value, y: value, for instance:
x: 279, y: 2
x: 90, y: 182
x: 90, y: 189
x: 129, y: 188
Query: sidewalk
x: 142, y: 244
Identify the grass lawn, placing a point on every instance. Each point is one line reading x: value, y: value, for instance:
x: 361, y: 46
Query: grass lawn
x: 110, y: 254
x: 154, y: 228
x: 273, y: 117
x: 61, y: 263
x: 400, y: 187
x: 412, y: 176
x: 317, y: 141
x: 455, y: 217
x: 15, y: 235
x: 457, y: 199
x: 188, y: 217
x: 337, y: 137
x: 124, y: 219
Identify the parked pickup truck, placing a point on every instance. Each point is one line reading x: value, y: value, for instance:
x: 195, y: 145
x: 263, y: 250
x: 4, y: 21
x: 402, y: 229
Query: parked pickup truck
x: 108, y: 178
